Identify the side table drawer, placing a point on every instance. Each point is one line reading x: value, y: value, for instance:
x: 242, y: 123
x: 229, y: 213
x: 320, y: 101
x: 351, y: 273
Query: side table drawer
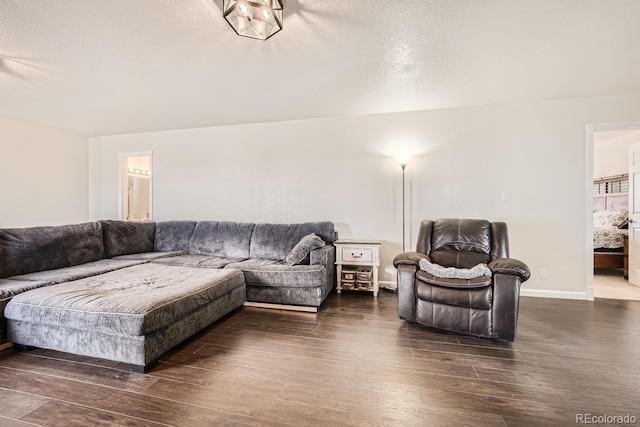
x: 356, y: 254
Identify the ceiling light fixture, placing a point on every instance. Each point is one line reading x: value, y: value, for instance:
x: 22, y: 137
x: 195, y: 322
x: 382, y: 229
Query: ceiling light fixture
x: 258, y: 19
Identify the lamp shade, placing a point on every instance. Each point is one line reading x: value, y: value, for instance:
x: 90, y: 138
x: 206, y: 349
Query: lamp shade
x: 403, y: 159
x: 258, y: 19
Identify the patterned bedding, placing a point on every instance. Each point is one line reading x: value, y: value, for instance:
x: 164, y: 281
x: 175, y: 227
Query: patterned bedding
x: 608, y: 238
x: 607, y: 233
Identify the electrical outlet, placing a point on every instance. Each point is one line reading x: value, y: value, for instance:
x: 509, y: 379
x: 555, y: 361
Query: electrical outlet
x: 543, y: 273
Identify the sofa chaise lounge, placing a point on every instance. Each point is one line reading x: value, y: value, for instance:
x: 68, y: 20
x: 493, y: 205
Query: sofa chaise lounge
x: 131, y: 291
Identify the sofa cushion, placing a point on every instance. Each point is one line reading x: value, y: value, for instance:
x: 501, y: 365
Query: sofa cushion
x: 269, y: 272
x: 198, y: 261
x: 10, y: 288
x: 67, y: 274
x: 300, y: 252
x: 224, y: 239
x: 275, y: 241
x: 25, y: 250
x: 136, y: 301
x: 126, y: 237
x: 173, y: 235
x: 148, y: 256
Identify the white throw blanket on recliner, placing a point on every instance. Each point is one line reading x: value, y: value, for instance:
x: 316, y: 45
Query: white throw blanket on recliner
x: 454, y: 273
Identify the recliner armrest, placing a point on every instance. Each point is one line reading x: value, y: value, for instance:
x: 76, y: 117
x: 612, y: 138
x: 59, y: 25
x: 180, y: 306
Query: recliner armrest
x: 409, y: 258
x: 510, y: 266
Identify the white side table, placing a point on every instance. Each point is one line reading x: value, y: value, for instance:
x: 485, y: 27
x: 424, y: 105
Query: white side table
x: 357, y: 263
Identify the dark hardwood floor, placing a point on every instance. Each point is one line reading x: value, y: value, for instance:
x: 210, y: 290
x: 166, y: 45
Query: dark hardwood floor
x: 355, y: 364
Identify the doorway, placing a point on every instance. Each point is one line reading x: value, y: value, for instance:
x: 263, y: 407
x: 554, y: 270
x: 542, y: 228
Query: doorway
x: 609, y: 193
x: 136, y: 179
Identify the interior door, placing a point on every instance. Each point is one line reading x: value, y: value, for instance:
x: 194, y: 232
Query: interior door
x: 634, y: 213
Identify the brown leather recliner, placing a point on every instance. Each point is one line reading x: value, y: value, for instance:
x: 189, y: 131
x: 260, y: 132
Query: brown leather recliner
x: 485, y: 306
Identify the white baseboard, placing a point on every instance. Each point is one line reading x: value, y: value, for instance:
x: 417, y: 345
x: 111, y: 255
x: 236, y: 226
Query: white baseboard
x: 387, y: 284
x: 547, y: 293
x: 590, y: 294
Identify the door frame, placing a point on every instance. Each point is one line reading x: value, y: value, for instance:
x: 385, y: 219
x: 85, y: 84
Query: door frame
x: 591, y: 129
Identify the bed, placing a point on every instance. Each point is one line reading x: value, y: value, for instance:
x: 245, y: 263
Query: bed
x: 610, y: 219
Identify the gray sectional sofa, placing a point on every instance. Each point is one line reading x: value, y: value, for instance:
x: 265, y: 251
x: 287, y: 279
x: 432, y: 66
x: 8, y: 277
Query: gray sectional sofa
x: 129, y: 291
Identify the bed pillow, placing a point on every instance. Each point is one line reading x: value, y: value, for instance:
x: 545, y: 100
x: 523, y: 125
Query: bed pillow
x: 300, y: 252
x: 610, y: 218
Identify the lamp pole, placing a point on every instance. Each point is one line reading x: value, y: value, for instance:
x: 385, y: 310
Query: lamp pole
x: 403, y: 207
x: 404, y: 160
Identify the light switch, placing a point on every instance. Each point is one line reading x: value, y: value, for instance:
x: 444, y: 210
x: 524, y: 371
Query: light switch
x: 505, y: 196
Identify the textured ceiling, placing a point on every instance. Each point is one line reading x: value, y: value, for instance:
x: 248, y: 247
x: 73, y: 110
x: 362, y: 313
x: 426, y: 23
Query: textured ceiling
x: 122, y: 66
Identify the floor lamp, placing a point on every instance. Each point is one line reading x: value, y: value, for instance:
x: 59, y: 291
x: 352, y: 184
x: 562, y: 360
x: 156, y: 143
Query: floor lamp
x: 403, y: 159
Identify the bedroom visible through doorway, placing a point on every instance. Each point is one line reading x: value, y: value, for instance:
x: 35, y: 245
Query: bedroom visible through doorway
x: 610, y: 214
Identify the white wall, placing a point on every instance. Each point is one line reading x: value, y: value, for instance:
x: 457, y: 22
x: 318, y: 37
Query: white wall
x: 342, y: 169
x: 611, y: 157
x: 44, y: 176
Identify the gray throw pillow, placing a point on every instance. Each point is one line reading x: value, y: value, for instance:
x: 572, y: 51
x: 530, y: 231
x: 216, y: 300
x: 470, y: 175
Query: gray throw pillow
x: 300, y: 251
